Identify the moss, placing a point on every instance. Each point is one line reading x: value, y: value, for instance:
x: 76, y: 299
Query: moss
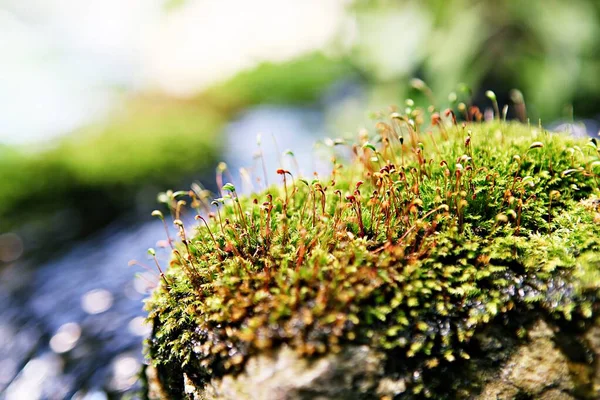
x: 413, y: 246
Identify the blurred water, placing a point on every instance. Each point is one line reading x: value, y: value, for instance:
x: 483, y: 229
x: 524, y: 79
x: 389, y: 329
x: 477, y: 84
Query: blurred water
x: 73, y: 327
x: 69, y: 323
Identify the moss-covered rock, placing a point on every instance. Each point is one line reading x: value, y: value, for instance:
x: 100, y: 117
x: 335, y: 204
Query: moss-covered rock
x: 464, y: 255
x: 537, y: 366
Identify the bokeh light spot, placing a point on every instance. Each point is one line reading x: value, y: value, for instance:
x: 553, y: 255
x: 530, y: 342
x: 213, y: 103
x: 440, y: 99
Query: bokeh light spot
x: 96, y: 301
x: 139, y: 327
x: 125, y: 371
x: 65, y: 338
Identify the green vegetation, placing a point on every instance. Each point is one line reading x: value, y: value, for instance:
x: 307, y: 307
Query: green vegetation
x: 152, y: 142
x: 430, y: 233
x: 302, y: 80
x: 550, y: 49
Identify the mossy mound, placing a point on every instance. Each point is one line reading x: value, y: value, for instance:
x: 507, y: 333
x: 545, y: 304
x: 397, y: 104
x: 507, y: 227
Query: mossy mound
x: 425, y: 238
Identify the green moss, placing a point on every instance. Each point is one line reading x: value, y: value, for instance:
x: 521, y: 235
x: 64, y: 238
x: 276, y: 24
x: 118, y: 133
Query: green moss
x: 413, y: 246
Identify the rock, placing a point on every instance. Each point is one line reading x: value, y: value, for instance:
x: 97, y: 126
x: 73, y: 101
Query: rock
x: 555, y: 394
x: 533, y: 369
x: 155, y: 386
x: 593, y: 338
x: 536, y: 367
x: 355, y: 372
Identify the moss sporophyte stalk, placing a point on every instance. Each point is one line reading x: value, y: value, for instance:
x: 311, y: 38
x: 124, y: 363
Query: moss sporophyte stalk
x: 432, y: 230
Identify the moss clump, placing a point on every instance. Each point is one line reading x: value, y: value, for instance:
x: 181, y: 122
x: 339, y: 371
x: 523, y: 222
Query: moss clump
x: 421, y: 240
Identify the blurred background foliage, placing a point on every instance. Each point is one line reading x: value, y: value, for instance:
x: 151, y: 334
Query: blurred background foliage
x: 549, y: 49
